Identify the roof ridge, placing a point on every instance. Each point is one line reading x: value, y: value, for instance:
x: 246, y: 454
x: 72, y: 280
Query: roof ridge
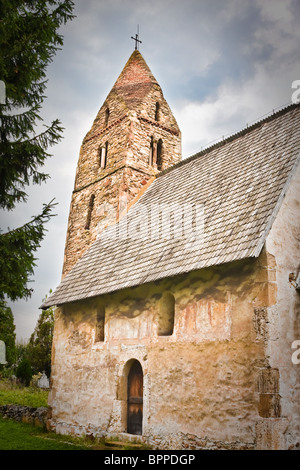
x: 270, y: 117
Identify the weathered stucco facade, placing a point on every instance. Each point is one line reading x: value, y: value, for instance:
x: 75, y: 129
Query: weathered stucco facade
x: 191, y: 336
x: 199, y: 382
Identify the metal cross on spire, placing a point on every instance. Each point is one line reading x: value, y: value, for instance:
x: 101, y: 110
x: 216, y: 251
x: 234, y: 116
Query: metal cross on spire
x: 136, y: 39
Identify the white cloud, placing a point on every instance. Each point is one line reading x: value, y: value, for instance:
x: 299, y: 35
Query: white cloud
x: 234, y: 106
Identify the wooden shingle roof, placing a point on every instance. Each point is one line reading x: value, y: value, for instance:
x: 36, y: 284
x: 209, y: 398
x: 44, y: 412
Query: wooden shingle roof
x: 237, y: 186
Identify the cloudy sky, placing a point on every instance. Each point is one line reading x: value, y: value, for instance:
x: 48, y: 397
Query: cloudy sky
x: 222, y: 64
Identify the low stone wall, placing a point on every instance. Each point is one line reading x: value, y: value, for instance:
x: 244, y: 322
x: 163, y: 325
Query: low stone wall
x: 25, y: 414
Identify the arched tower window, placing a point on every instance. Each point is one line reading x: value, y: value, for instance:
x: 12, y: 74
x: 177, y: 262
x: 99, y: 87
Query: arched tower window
x: 157, y: 107
x: 159, y: 154
x: 166, y: 314
x: 90, y: 210
x: 107, y: 112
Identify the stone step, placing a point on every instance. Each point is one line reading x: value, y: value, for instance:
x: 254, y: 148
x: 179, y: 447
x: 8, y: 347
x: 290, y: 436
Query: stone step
x: 121, y: 444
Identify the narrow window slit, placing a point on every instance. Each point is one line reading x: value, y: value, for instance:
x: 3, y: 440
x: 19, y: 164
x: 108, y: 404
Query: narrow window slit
x: 100, y: 325
x: 151, y: 152
x: 159, y: 155
x: 103, y: 151
x: 90, y: 210
x: 157, y: 107
x: 107, y: 112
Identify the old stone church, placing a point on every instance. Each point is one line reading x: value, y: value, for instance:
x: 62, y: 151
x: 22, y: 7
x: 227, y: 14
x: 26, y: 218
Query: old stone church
x: 179, y: 304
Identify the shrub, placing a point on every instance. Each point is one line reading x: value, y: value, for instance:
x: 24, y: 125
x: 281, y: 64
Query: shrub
x: 24, y: 371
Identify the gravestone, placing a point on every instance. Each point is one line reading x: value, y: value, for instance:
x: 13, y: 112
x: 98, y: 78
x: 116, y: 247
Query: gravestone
x: 43, y: 381
x: 2, y: 92
x: 2, y: 353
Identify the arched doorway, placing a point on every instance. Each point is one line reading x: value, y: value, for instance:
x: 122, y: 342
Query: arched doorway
x: 135, y: 399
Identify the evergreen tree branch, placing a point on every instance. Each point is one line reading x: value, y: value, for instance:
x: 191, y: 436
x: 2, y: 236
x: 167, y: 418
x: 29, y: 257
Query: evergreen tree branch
x: 29, y: 40
x: 16, y: 255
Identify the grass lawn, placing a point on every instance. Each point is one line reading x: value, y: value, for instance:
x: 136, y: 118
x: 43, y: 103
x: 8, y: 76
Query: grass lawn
x: 21, y: 436
x: 25, y: 396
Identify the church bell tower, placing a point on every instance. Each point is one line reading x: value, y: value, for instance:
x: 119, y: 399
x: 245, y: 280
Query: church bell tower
x: 132, y: 139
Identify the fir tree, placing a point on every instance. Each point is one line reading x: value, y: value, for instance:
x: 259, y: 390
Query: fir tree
x: 29, y: 40
x: 24, y: 371
x: 40, y: 344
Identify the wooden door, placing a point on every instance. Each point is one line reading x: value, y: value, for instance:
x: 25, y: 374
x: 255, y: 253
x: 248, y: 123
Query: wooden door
x: 135, y: 399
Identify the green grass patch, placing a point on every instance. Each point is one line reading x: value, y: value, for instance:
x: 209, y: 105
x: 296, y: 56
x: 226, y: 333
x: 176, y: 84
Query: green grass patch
x: 24, y: 396
x: 21, y: 436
